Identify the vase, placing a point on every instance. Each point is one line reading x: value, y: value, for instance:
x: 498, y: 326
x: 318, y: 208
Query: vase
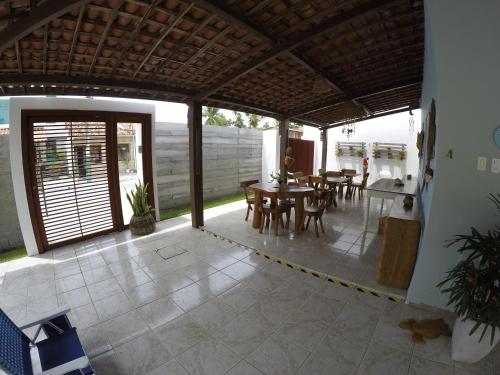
x: 142, y: 225
x: 468, y: 348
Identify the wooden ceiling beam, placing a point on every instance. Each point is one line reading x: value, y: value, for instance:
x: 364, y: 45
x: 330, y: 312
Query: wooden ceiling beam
x: 105, y: 33
x: 38, y: 17
x: 294, y: 42
x: 382, y: 114
x: 167, y: 31
x: 250, y: 106
x: 86, y: 81
x: 45, y: 47
x: 18, y: 58
x: 75, y: 39
x: 379, y: 91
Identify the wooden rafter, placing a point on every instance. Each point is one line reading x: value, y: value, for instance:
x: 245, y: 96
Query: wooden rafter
x: 181, y: 45
x: 201, y: 50
x: 75, y: 38
x: 135, y: 34
x: 292, y: 43
x: 37, y: 18
x: 45, y: 47
x: 105, y: 33
x: 382, y: 114
x: 18, y: 58
x: 167, y: 31
x: 336, y: 102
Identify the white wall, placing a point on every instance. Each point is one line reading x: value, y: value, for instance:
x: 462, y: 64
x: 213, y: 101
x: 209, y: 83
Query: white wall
x: 270, y: 153
x: 461, y: 72
x: 390, y: 129
x: 16, y: 160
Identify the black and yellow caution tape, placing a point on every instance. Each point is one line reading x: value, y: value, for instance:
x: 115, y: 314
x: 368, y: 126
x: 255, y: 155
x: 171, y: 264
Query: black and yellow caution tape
x: 297, y: 267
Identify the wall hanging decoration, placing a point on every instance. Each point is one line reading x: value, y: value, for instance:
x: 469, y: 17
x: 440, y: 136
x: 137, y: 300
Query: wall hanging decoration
x: 349, y: 129
x: 350, y: 149
x: 496, y: 136
x: 430, y: 126
x: 389, y: 150
x: 411, y: 122
x: 420, y: 143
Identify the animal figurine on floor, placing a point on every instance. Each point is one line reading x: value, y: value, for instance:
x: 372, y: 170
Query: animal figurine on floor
x: 426, y: 329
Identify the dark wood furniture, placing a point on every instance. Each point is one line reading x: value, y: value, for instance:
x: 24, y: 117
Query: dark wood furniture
x: 360, y: 186
x: 271, y: 213
x: 399, y: 245
x: 250, y: 200
x: 274, y: 192
x: 315, y: 212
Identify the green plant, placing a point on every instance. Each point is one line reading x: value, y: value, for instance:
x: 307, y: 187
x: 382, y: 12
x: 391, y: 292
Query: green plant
x: 278, y: 177
x: 138, y: 199
x: 474, y: 283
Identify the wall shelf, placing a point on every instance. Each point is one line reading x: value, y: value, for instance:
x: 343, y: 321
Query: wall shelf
x: 351, y: 149
x: 389, y: 151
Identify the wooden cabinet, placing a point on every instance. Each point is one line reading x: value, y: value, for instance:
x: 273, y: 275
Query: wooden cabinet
x: 399, y: 245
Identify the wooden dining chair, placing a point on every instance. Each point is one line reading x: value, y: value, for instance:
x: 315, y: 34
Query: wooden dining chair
x: 348, y: 183
x: 315, y: 211
x: 272, y: 216
x: 334, y: 174
x: 249, y: 197
x: 360, y: 186
x: 322, y: 191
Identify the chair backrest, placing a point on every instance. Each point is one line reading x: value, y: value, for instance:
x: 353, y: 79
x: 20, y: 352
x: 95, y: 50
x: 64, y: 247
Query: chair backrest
x: 365, y: 180
x: 348, y: 171
x: 317, y: 182
x: 334, y: 174
x: 299, y: 178
x: 245, y: 184
x: 14, y: 348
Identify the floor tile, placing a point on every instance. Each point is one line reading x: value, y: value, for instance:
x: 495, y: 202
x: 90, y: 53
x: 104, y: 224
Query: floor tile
x: 83, y: 316
x: 108, y: 364
x: 94, y: 340
x: 304, y: 329
x: 103, y: 289
x: 278, y: 356
x: 75, y: 298
x: 213, y: 315
x: 244, y: 368
x: 191, y: 296
x: 160, y: 312
x: 381, y: 360
x: 239, y: 271
x: 68, y: 283
x: 198, y: 270
x: 143, y: 354
x: 218, y: 283
x: 209, y: 357
x: 112, y: 306
x: 144, y: 293
x: 173, y: 281
x: 124, y: 328
x: 170, y: 368
x: 180, y: 334
x: 240, y: 297
x: 420, y: 366
x: 243, y: 335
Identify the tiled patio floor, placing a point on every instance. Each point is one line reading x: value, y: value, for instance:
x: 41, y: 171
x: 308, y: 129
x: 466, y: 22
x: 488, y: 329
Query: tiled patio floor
x: 339, y: 252
x: 216, y: 309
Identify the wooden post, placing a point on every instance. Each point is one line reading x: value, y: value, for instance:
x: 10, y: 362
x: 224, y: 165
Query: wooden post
x: 324, y: 152
x: 195, y: 162
x: 283, y: 133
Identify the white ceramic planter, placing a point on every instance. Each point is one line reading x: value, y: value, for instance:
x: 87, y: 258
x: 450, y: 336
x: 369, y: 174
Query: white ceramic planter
x: 467, y: 348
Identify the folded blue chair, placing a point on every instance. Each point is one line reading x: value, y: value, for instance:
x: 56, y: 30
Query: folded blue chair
x: 60, y: 353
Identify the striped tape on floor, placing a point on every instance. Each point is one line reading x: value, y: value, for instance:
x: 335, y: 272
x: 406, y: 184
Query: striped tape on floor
x: 330, y: 278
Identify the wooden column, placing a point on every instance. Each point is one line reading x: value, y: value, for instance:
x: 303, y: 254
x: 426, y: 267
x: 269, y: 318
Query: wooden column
x: 195, y: 162
x: 324, y: 152
x: 283, y: 133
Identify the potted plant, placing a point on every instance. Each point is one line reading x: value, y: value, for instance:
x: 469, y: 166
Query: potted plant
x: 474, y: 289
x: 142, y: 221
x: 338, y: 151
x: 278, y: 177
x: 402, y: 154
x: 360, y: 153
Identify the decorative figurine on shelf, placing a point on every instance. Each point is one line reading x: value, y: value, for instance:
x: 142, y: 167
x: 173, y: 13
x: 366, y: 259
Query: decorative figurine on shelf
x: 408, y: 202
x: 365, y: 166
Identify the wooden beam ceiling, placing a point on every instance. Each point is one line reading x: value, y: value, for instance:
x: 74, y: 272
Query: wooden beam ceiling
x: 36, y: 18
x: 294, y: 42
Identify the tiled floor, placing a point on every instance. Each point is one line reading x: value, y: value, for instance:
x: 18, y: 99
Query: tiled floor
x: 340, y: 251
x: 216, y: 309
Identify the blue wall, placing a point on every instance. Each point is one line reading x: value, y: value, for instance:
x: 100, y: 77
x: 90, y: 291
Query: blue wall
x: 462, y: 74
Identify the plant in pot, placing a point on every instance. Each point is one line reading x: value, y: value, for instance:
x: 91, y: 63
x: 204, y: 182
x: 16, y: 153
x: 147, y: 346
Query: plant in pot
x: 474, y: 289
x: 142, y: 221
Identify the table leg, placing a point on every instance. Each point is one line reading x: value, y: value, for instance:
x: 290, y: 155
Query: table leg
x: 367, y: 213
x: 381, y: 207
x: 299, y: 214
x: 256, y: 210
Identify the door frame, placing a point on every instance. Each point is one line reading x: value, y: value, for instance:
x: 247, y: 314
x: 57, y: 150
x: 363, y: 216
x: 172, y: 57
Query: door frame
x: 28, y: 117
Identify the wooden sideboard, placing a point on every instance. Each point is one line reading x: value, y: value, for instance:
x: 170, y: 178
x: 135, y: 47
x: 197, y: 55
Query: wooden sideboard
x: 399, y: 245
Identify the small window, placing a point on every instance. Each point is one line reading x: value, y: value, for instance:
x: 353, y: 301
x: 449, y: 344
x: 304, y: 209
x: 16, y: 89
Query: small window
x: 96, y: 154
x: 123, y: 151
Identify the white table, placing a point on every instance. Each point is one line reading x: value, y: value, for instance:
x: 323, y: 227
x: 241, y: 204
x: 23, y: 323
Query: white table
x: 385, y: 189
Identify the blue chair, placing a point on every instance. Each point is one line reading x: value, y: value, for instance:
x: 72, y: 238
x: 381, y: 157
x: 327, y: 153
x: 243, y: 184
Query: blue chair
x: 60, y: 353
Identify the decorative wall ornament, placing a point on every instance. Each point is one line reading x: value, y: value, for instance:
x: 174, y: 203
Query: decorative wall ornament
x: 430, y: 126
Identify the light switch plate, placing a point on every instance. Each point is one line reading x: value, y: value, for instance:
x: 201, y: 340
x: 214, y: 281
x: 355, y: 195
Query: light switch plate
x: 495, y: 165
x: 481, y: 163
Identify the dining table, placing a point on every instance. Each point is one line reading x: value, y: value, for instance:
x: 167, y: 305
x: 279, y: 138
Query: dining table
x: 275, y: 191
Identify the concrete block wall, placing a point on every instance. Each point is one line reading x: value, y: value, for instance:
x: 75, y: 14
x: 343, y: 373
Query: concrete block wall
x: 10, y: 231
x: 230, y: 155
